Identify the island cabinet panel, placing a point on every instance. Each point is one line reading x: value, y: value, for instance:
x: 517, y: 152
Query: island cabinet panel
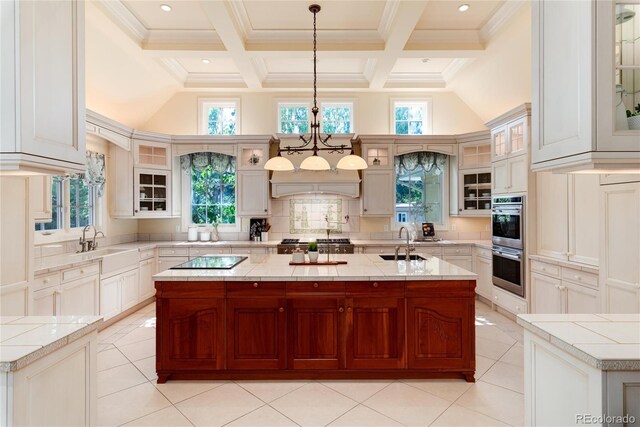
x: 315, y: 328
x: 440, y: 334
x: 375, y: 333
x: 256, y: 329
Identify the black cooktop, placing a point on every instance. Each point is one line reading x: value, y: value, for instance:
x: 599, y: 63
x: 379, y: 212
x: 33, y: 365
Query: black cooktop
x: 320, y: 241
x: 222, y: 262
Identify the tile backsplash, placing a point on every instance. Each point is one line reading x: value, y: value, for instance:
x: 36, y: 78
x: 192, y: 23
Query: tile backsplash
x: 315, y: 216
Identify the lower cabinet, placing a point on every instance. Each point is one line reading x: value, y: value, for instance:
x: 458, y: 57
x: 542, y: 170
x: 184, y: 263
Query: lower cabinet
x: 465, y: 262
x: 553, y: 295
x: 129, y: 289
x: 79, y: 297
x: 256, y: 333
x: 484, y: 285
x: 119, y: 293
x: 147, y: 269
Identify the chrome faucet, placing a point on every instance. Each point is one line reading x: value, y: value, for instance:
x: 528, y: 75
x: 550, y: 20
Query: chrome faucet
x: 408, y: 249
x: 89, y: 245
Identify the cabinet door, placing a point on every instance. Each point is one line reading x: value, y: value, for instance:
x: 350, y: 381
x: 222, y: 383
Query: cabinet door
x: 484, y: 284
x: 438, y: 333
x: 377, y: 193
x: 130, y: 289
x: 583, y: 217
x: 253, y: 193
x: 315, y: 333
x: 546, y: 293
x: 121, y: 182
x: 191, y: 335
x: 256, y: 333
x: 551, y: 215
x: 500, y: 177
x: 152, y: 193
x: 581, y: 299
x: 146, y: 271
x: 40, y: 198
x: 151, y: 154
x: 517, y: 132
x: 52, y: 107
x: 44, y: 302
x: 518, y: 170
x: 465, y: 262
x: 375, y: 333
x: 110, y: 297
x: 499, y: 143
x: 79, y: 297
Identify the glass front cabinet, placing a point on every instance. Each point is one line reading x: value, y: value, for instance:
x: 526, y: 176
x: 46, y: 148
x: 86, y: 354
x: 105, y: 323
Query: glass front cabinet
x: 152, y: 193
x: 474, y: 194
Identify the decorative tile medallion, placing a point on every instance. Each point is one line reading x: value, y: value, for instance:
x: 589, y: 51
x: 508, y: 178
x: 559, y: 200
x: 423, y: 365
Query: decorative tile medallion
x: 315, y: 216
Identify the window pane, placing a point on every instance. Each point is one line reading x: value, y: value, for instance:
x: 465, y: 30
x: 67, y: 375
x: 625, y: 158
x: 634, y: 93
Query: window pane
x: 402, y: 113
x: 221, y: 120
x: 419, y: 196
x: 416, y: 112
x: 81, y: 205
x: 211, y: 192
x: 402, y: 128
x: 415, y: 128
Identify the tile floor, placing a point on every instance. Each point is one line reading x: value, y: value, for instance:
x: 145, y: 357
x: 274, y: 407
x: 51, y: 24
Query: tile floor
x: 128, y: 394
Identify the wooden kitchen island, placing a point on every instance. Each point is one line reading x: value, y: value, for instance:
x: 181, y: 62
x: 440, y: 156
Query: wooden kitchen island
x: 264, y: 319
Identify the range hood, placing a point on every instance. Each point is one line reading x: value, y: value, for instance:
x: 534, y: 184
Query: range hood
x: 334, y: 181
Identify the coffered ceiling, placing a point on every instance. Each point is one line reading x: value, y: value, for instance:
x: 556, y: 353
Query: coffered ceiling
x: 266, y: 45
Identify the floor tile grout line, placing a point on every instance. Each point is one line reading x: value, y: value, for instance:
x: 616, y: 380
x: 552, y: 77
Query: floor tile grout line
x: 126, y: 388
x: 378, y: 412
x: 245, y: 414
x: 469, y: 409
x: 342, y: 394
x: 155, y: 382
x: 258, y: 397
x: 284, y: 415
x: 343, y: 414
x: 183, y: 414
x: 433, y: 394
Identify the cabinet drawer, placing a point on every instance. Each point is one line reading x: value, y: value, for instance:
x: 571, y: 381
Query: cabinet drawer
x: 47, y: 281
x: 544, y: 268
x: 165, y: 263
x: 296, y: 288
x: 437, y: 288
x: 79, y: 272
x: 509, y: 302
x: 484, y: 253
x: 378, y: 249
x: 376, y: 289
x: 429, y: 250
x: 196, y: 252
x: 249, y: 251
x: 173, y: 251
x: 146, y: 254
x: 457, y: 250
x: 578, y: 276
x: 255, y: 289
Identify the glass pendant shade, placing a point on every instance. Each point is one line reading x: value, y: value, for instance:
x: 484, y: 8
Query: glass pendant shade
x: 315, y: 163
x: 352, y: 162
x: 279, y: 163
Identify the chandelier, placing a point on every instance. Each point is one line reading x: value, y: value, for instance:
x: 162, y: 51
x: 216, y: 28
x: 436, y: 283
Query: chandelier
x: 317, y: 142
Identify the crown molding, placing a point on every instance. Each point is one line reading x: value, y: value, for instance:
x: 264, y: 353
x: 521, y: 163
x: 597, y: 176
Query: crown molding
x: 125, y: 19
x: 174, y: 68
x: 386, y: 20
x: 415, y: 77
x: 241, y: 18
x: 454, y: 67
x: 521, y: 110
x: 185, y: 39
x: 445, y: 39
x: 499, y: 19
x: 369, y: 68
x: 261, y: 67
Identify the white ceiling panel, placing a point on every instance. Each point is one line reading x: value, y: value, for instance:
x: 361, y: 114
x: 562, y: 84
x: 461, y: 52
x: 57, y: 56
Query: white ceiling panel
x: 215, y: 65
x: 184, y: 15
x: 416, y: 65
x: 444, y: 14
x: 325, y: 65
x: 295, y: 15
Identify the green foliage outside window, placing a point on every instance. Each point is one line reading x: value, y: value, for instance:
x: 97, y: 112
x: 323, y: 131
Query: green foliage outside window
x: 409, y: 119
x: 81, y: 203
x: 221, y: 121
x: 420, y: 196
x: 294, y: 119
x: 213, y: 196
x: 336, y: 119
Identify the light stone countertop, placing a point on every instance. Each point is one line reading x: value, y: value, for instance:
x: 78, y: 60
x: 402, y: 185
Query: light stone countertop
x: 69, y: 260
x: 23, y: 340
x: 359, y: 267
x: 570, y: 264
x: 610, y: 342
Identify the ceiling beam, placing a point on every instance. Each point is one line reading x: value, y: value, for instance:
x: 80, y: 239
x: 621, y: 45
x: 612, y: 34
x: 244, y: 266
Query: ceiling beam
x: 407, y: 15
x: 230, y: 33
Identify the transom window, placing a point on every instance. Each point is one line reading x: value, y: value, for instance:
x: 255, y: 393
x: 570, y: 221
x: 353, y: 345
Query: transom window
x: 337, y: 117
x: 293, y: 118
x: 420, y: 187
x: 411, y: 118
x: 219, y: 117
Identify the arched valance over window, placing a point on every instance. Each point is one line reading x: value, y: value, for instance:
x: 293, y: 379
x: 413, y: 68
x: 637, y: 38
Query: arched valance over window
x: 220, y: 163
x: 429, y: 162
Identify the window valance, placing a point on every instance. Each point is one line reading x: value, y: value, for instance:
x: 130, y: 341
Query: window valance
x: 94, y: 175
x: 429, y: 162
x: 220, y: 163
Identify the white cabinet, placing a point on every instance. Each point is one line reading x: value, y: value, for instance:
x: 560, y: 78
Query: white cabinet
x: 79, y: 297
x: 152, y: 193
x: 582, y: 54
x: 150, y: 154
x: 547, y: 297
x: 166, y: 262
x: 44, y: 302
x: 510, y: 175
x: 253, y: 193
x: 484, y: 283
x: 42, y: 86
x: 121, y: 182
x: 620, y: 247
x: 567, y: 217
x: 40, y: 198
x: 474, y: 155
x: 14, y: 299
x: 510, y: 139
x: 71, y: 292
x: 474, y: 192
x: 377, y: 193
x: 465, y: 262
x: 110, y: 297
x: 129, y: 289
x: 580, y: 299
x: 147, y: 269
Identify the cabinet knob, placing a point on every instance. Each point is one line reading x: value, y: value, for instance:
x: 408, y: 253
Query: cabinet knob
x: 375, y: 284
x: 365, y: 209
x: 81, y: 271
x: 341, y: 309
x: 578, y: 277
x: 265, y: 210
x: 255, y: 285
x: 543, y: 269
x: 46, y: 281
x: 281, y: 309
x: 315, y: 285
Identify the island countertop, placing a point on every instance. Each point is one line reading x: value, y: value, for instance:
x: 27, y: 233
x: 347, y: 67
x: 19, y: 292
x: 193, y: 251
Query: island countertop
x: 359, y: 267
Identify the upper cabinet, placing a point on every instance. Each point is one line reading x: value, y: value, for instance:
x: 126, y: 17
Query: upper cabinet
x: 42, y: 86
x: 151, y: 151
x: 583, y: 52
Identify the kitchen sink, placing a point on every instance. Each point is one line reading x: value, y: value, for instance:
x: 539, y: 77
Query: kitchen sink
x: 112, y: 259
x: 401, y: 257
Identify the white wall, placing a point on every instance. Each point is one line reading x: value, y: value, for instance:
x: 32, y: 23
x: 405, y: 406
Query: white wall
x: 179, y: 116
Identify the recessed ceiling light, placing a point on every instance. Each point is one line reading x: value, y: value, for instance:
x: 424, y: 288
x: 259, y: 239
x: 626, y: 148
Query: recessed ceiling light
x: 165, y: 7
x: 463, y: 7
x: 206, y: 61
x: 425, y: 60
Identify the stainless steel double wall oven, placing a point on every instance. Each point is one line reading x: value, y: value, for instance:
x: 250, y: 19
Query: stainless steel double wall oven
x: 508, y: 230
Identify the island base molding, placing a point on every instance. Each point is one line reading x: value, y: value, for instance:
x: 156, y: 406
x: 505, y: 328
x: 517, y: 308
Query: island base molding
x: 343, y: 374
